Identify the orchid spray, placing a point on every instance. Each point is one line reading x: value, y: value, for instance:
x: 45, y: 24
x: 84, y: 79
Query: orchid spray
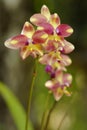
x: 46, y: 43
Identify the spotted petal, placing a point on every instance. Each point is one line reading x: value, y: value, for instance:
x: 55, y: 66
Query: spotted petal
x: 45, y: 11
x: 55, y: 20
x: 38, y: 19
x: 64, y: 30
x: 28, y: 30
x: 16, y: 42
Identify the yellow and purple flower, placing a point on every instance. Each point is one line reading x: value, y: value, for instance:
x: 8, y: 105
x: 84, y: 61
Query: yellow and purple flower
x: 56, y: 60
x: 58, y: 85
x: 28, y: 42
x: 47, y: 42
x: 51, y: 25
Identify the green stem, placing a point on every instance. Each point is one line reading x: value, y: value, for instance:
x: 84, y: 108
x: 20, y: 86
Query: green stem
x: 30, y: 96
x: 49, y: 115
x: 45, y: 112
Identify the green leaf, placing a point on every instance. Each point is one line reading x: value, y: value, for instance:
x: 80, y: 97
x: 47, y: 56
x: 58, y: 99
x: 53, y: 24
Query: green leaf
x: 15, y: 107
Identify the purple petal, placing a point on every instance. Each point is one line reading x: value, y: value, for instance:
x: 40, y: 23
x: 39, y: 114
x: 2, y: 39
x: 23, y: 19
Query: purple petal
x: 16, y: 42
x: 48, y: 28
x: 48, y: 68
x: 39, y: 37
x: 64, y: 30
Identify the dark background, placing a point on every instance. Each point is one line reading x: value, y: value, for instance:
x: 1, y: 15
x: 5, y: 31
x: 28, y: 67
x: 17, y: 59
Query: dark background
x: 17, y: 74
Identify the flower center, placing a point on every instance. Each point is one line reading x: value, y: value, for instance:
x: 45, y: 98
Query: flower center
x: 29, y: 41
x: 57, y: 31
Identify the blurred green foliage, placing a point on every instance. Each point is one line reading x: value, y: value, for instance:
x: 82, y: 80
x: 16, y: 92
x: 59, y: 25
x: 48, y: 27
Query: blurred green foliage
x: 16, y: 109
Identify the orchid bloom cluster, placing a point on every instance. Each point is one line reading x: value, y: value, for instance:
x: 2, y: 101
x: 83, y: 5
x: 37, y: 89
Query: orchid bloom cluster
x: 47, y: 43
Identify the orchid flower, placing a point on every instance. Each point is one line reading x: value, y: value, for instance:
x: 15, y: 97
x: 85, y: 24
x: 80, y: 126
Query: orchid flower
x: 26, y: 42
x: 56, y: 60
x: 47, y: 42
x: 51, y: 25
x: 58, y: 85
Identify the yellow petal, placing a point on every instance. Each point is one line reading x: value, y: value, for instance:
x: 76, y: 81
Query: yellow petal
x: 45, y: 11
x: 28, y: 30
x: 70, y: 30
x: 55, y: 20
